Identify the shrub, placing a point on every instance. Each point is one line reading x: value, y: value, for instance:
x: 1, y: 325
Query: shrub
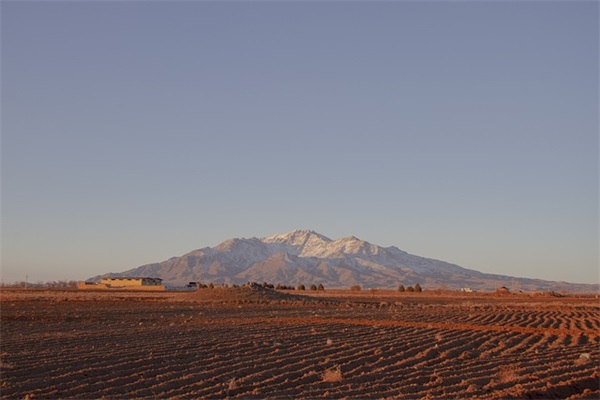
x: 301, y: 287
x: 332, y: 374
x: 418, y: 288
x: 401, y: 288
x: 355, y: 288
x: 313, y: 287
x: 410, y: 289
x: 321, y: 287
x: 211, y: 285
x: 233, y: 384
x: 507, y: 373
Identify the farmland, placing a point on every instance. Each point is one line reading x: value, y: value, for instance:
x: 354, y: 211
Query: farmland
x: 251, y: 343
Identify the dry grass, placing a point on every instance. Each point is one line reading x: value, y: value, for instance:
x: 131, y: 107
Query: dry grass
x: 507, y: 374
x: 332, y: 374
x: 233, y: 384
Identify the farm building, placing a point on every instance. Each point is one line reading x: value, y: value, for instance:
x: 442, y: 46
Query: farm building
x: 125, y: 282
x: 131, y: 281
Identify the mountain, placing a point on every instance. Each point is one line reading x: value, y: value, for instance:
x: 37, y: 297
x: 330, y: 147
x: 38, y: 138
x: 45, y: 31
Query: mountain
x: 307, y: 257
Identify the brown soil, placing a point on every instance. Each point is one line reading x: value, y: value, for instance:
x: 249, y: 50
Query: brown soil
x: 256, y: 343
x: 245, y: 294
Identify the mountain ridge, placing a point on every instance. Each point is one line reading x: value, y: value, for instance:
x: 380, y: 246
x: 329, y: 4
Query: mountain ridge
x: 306, y: 257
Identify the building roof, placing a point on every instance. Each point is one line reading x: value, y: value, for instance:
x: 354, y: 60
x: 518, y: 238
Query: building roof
x: 132, y: 277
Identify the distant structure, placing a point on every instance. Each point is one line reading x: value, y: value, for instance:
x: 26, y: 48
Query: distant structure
x: 125, y: 282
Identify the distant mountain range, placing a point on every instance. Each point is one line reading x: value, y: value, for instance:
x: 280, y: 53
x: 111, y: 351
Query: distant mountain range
x: 307, y: 257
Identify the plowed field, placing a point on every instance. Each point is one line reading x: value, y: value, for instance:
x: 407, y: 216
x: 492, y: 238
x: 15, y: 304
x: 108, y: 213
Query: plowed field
x: 187, y: 345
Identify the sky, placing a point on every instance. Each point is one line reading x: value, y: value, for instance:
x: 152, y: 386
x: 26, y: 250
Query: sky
x: 461, y: 131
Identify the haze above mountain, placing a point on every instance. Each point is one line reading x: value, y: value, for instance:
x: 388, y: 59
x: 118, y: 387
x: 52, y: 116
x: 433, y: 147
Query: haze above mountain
x: 307, y: 257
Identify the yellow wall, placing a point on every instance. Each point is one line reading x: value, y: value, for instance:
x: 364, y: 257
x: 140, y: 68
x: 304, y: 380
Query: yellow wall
x: 102, y: 286
x: 122, y: 282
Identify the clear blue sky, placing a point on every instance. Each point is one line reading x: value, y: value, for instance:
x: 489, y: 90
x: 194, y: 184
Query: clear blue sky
x: 137, y: 131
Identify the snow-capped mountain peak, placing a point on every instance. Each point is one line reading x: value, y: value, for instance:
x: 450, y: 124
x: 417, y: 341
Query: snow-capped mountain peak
x: 298, y: 242
x: 299, y: 237
x: 236, y: 244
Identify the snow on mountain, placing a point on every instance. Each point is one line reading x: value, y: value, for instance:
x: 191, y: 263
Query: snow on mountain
x: 299, y: 242
x: 304, y: 256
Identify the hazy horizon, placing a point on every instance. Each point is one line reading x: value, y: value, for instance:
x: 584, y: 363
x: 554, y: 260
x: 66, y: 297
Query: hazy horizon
x: 461, y: 131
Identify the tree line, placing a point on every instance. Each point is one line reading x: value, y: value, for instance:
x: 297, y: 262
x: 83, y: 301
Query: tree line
x: 41, y: 284
x: 266, y: 285
x: 401, y: 288
x: 417, y: 288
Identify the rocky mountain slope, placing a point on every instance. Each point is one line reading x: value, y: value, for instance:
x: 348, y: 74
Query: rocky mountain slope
x: 308, y: 257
